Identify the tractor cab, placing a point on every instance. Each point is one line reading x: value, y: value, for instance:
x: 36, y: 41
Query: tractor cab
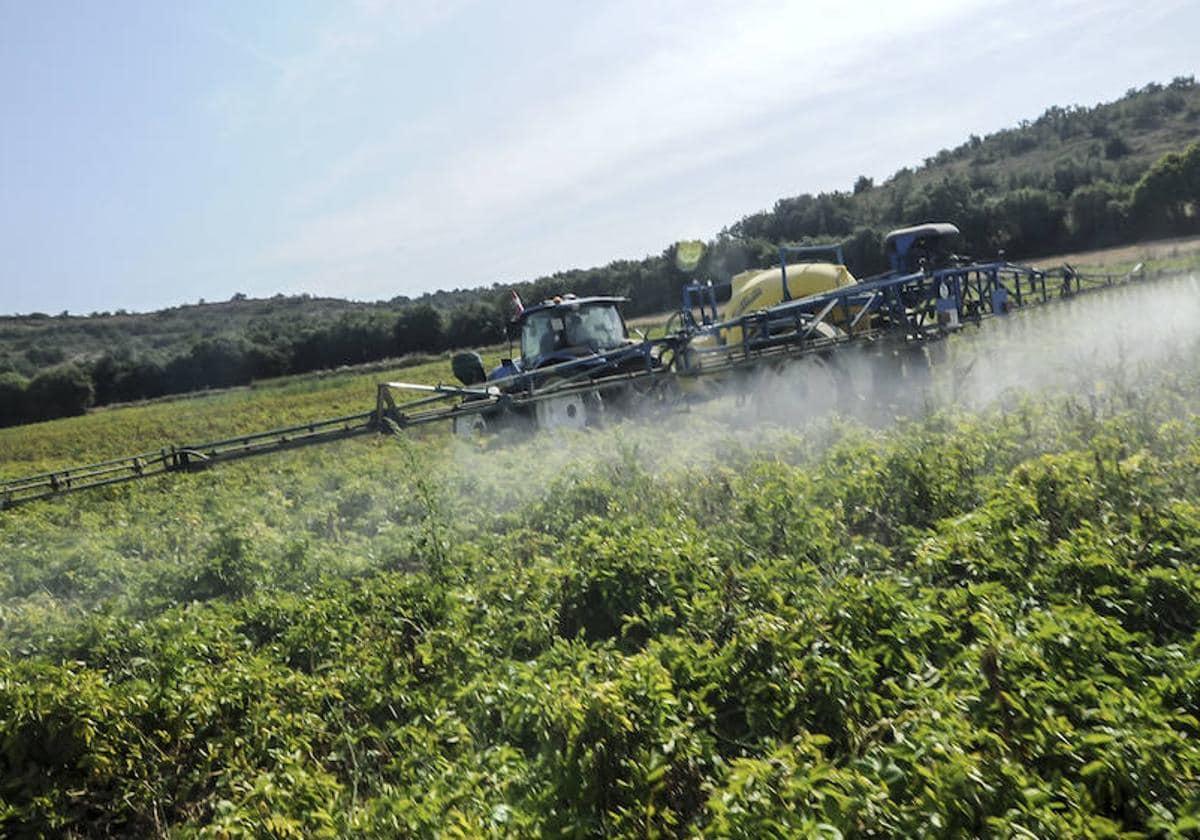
x: 568, y: 328
x: 919, y: 247
x: 583, y: 330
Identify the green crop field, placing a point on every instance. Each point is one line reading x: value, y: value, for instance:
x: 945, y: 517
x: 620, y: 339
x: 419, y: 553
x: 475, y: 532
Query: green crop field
x: 975, y: 612
x: 109, y: 433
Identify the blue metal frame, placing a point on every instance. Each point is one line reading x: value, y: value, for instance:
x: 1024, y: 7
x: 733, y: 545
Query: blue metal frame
x: 915, y: 306
x: 702, y: 296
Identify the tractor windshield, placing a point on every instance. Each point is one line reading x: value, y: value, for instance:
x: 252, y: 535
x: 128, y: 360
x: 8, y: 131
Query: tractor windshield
x: 594, y: 328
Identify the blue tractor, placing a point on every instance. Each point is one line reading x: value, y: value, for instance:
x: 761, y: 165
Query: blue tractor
x: 576, y: 363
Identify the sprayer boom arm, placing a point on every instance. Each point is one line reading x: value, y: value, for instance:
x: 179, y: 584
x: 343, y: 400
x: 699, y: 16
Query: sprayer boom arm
x: 182, y: 458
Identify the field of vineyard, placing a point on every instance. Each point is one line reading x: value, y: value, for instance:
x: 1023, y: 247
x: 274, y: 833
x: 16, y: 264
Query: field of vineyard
x: 976, y: 611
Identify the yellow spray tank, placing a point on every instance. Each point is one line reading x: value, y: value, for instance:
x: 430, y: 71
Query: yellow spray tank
x: 719, y: 336
x: 762, y: 288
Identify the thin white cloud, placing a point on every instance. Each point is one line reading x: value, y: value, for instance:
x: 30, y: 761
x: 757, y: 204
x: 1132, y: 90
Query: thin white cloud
x: 244, y: 46
x: 335, y: 55
x: 708, y: 85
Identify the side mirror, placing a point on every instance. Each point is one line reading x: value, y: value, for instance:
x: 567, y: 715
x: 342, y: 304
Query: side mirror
x: 468, y: 368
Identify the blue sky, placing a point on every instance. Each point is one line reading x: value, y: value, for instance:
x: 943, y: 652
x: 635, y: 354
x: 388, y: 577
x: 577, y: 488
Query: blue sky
x: 155, y: 153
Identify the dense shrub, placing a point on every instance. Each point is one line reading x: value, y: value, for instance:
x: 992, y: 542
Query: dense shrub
x: 419, y: 329
x: 1167, y: 198
x: 13, y: 387
x: 62, y: 391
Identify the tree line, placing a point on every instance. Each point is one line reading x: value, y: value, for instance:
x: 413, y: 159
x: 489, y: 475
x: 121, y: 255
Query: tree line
x: 268, y: 350
x: 1087, y: 191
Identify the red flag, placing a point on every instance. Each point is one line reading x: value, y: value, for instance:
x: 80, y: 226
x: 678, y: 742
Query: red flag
x: 517, y: 305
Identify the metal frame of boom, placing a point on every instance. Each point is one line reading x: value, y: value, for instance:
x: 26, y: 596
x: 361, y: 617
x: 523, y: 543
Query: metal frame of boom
x: 182, y: 458
x: 920, y: 306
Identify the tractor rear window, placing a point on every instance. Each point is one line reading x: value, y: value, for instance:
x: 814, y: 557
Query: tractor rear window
x: 595, y: 328
x: 541, y: 334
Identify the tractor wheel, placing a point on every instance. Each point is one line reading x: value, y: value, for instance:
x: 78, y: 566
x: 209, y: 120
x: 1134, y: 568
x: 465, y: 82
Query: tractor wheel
x: 470, y: 426
x: 576, y: 410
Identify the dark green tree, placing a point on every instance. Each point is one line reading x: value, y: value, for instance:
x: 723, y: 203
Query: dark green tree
x: 1030, y: 222
x: 474, y: 325
x: 419, y: 329
x: 1115, y: 148
x: 12, y: 398
x: 141, y: 379
x: 864, y: 253
x: 1096, y: 214
x: 1167, y: 198
x: 62, y: 391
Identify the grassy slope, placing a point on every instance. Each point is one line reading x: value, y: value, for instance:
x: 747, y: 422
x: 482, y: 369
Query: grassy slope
x: 992, y: 161
x: 1162, y: 255
x: 1148, y: 145
x: 127, y: 430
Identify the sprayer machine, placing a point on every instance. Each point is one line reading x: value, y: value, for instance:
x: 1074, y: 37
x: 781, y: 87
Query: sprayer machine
x: 573, y: 363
